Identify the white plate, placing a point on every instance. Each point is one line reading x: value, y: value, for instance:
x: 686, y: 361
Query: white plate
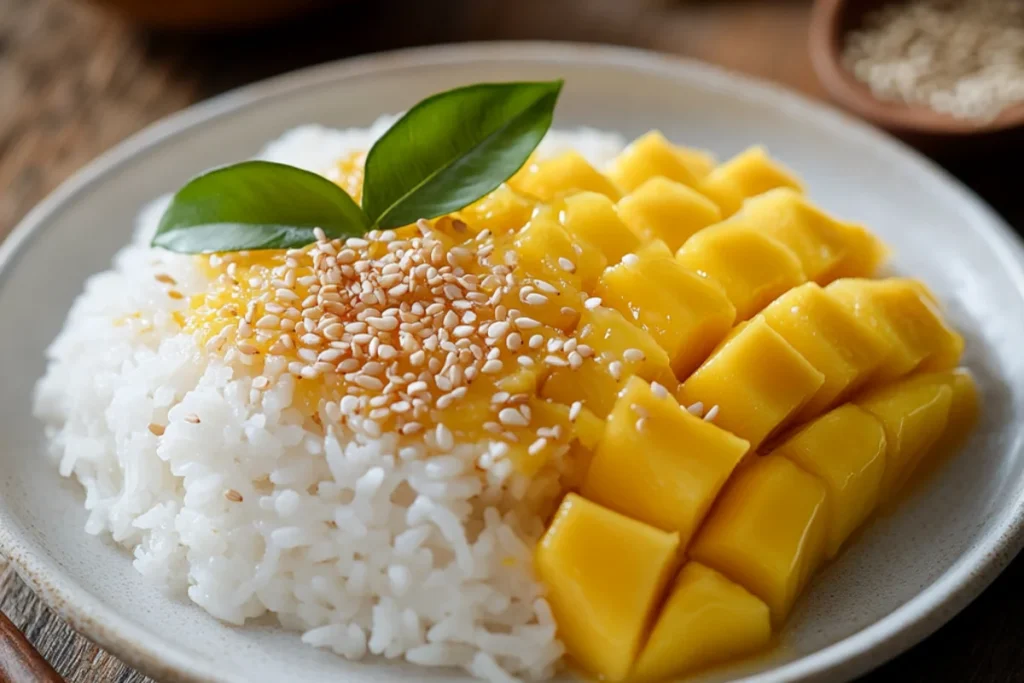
x: 908, y: 574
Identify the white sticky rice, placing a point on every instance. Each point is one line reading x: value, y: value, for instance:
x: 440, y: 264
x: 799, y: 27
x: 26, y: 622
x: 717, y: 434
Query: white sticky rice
x: 362, y: 546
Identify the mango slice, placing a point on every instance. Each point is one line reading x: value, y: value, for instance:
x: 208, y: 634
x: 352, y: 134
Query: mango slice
x: 604, y: 574
x: 666, y: 210
x: 591, y: 217
x: 827, y: 248
x: 905, y: 314
x: 501, y: 211
x: 914, y: 413
x: 750, y: 266
x: 843, y: 349
x: 658, y: 463
x: 757, y: 380
x: 747, y: 174
x: 562, y: 175
x: 767, y: 531
x: 546, y: 251
x: 845, y: 449
x: 609, y: 336
x: 686, y: 314
x: 651, y: 155
x: 964, y: 407
x: 706, y: 620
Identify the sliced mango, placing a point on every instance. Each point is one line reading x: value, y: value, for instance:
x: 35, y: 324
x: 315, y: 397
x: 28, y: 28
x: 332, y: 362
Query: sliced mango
x: 845, y: 449
x: 831, y: 338
x: 750, y: 266
x: 827, y: 248
x: 757, y: 380
x: 562, y: 175
x: 658, y: 463
x: 748, y: 173
x: 767, y: 531
x: 706, y: 620
x: 604, y: 574
x: 686, y: 314
x: 609, y: 336
x: 666, y: 210
x: 501, y: 211
x: 592, y: 217
x: 546, y: 250
x: 906, y: 315
x: 651, y: 155
x: 914, y: 413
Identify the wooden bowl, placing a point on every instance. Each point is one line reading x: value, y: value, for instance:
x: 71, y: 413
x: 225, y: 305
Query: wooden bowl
x: 208, y: 14
x: 831, y: 21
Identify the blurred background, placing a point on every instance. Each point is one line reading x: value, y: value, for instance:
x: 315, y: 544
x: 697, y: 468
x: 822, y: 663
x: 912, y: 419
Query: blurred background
x: 78, y: 76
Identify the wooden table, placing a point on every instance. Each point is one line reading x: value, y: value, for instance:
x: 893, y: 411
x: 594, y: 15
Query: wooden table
x: 74, y: 81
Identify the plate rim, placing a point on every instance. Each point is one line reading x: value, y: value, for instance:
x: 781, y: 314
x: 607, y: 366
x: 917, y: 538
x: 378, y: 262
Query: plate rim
x: 873, y: 645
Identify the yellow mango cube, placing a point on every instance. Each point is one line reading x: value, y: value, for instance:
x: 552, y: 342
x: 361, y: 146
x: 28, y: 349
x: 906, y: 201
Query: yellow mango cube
x: 658, y: 463
x: 829, y: 336
x: 609, y: 336
x: 591, y: 217
x: 747, y: 174
x: 964, y: 407
x: 757, y: 380
x: 666, y: 210
x: 684, y: 313
x: 914, y: 413
x: 502, y: 211
x: 752, y: 268
x: 706, y: 620
x: 546, y: 251
x: 604, y: 574
x: 845, y: 449
x: 905, y: 313
x: 651, y: 155
x: 560, y: 176
x: 827, y: 248
x: 767, y: 531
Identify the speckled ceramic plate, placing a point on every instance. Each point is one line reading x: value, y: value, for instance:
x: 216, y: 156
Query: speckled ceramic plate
x: 907, y: 574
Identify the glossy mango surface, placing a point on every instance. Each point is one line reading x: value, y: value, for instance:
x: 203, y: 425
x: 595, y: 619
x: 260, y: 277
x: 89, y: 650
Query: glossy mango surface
x: 842, y: 348
x: 604, y: 573
x: 845, y: 449
x: 767, y: 532
x: 757, y: 380
x: 665, y: 210
x: 750, y: 266
x: 652, y: 156
x: 707, y: 619
x: 658, y: 463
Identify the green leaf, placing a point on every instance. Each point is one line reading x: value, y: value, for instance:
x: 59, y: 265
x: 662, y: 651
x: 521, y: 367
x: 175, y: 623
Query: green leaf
x: 256, y: 205
x: 453, y: 148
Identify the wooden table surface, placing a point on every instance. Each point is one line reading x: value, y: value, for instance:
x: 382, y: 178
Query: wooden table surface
x: 74, y: 81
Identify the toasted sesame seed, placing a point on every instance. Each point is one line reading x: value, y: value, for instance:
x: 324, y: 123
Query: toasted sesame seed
x: 633, y: 355
x: 696, y: 409
x: 260, y: 382
x: 492, y: 367
x: 631, y: 259
x: 535, y: 299
x: 512, y: 417
x: 575, y: 360
x: 192, y: 418
x: 711, y: 414
x: 368, y: 382
x: 525, y: 323
x: 556, y: 361
x: 537, y: 446
x: 536, y: 341
x: 566, y: 265
x: 157, y: 430
x: 640, y: 424
x: 233, y: 496
x: 574, y: 410
x: 525, y: 361
x: 658, y: 390
x: 584, y: 350
x: 592, y: 303
x: 615, y: 370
